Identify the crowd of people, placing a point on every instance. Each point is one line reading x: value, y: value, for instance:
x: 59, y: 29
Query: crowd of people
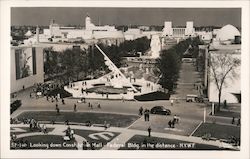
x: 175, y: 120
x: 69, y: 134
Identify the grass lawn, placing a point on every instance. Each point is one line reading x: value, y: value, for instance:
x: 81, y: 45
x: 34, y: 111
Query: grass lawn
x: 28, y: 130
x: 96, y: 143
x: 228, y: 114
x: 107, y: 89
x: 155, y: 143
x: 153, y: 96
x: 218, y: 131
x: 43, y: 142
x: 115, y: 120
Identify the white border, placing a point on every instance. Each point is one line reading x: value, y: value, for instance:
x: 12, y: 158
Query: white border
x: 5, y: 81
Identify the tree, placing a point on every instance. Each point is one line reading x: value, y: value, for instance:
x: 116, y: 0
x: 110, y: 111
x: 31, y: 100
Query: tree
x: 223, y: 66
x: 74, y: 62
x: 51, y: 63
x: 169, y: 68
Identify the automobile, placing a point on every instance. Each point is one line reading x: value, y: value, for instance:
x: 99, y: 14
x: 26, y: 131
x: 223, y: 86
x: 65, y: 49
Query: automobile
x: 191, y: 98
x: 160, y: 110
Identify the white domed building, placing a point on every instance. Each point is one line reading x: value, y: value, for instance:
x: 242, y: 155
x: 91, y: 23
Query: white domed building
x: 227, y: 41
x: 227, y: 33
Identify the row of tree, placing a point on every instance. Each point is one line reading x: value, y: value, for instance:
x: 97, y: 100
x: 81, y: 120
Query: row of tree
x: 170, y: 60
x: 77, y: 63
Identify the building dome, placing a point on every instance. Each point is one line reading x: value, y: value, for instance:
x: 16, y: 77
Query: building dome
x: 228, y: 32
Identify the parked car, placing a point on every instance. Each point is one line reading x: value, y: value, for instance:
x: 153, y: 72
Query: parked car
x: 194, y: 98
x: 191, y: 98
x: 160, y: 110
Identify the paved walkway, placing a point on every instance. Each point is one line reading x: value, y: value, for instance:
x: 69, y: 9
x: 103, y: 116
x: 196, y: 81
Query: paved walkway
x: 121, y: 139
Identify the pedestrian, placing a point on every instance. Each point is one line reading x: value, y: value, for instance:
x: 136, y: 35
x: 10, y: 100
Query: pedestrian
x: 148, y: 115
x: 145, y: 115
x: 63, y: 101
x: 30, y: 126
x: 174, y: 119
x: 177, y: 119
x: 58, y: 111
x: 74, y: 107
x: 84, y: 145
x: 66, y: 122
x: 56, y: 106
x: 71, y: 134
x: 99, y: 106
x: 89, y: 104
x: 30, y: 95
x: 173, y: 124
x: 56, y: 98
x: 238, y: 122
x: 233, y: 120
x: 140, y: 111
x: 170, y: 124
x: 149, y: 131
x: 105, y: 125
x: 172, y: 102
x: 47, y: 97
x: 44, y: 129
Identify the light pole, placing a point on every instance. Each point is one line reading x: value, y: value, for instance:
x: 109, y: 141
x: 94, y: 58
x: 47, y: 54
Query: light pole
x: 204, y: 116
x: 213, y: 108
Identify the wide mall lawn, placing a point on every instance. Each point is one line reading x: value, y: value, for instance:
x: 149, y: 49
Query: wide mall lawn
x: 218, y: 131
x: 53, y: 142
x: 155, y: 143
x: 115, y: 120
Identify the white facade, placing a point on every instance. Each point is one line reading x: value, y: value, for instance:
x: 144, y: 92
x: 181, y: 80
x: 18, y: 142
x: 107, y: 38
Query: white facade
x: 155, y: 46
x: 56, y: 33
x: 205, y: 36
x: 32, y: 58
x: 232, y: 84
x: 133, y: 33
x: 89, y: 26
x: 169, y: 31
x: 228, y: 32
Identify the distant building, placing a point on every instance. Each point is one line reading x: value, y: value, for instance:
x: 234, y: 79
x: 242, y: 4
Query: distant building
x: 232, y: 85
x: 133, y: 33
x: 227, y: 33
x: 26, y: 67
x: 205, y: 36
x: 169, y: 31
x: 226, y: 42
x: 56, y: 33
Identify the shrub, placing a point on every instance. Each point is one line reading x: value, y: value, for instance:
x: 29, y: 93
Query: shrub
x: 15, y: 105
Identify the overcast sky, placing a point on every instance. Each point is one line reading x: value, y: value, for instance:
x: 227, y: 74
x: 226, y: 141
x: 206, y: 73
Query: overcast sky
x: 126, y: 16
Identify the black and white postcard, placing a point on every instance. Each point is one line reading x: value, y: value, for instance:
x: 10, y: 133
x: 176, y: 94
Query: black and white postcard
x: 127, y: 79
